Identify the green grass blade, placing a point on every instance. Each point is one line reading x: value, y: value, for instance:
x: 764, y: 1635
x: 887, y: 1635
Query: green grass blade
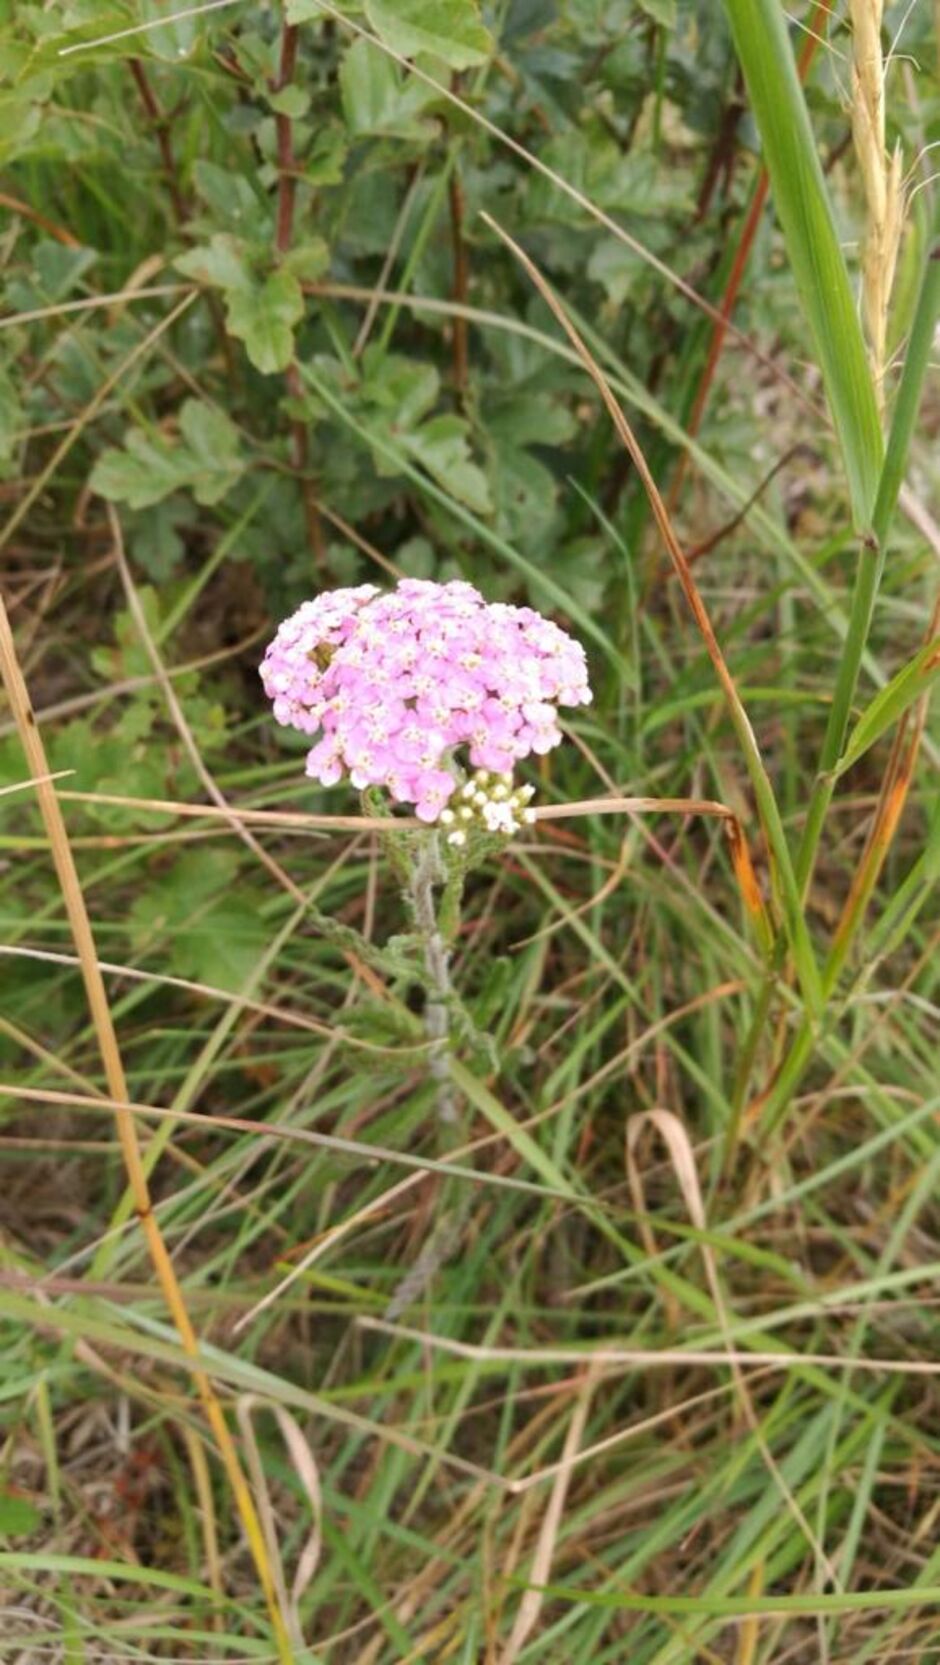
x: 806, y: 219
x: 891, y: 703
x: 910, y: 389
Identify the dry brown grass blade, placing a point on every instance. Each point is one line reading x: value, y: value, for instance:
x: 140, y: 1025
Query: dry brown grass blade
x: 633, y: 806
x: 80, y: 925
x: 749, y: 1633
x: 15, y: 205
x: 531, y: 1604
x: 233, y: 812
x: 306, y: 1471
x: 36, y: 780
x: 748, y: 884
x: 91, y: 303
x: 648, y: 1358
x: 202, y: 1480
x: 677, y: 1142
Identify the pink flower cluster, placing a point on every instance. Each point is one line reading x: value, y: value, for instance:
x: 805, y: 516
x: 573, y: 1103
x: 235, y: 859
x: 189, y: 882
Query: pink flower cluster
x: 398, y: 681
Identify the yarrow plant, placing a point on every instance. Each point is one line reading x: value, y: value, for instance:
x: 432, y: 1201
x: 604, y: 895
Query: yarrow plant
x: 403, y: 683
x: 432, y: 695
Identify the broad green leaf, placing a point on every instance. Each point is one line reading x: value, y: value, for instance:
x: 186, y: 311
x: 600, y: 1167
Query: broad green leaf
x: 528, y: 417
x: 231, y: 199
x: 20, y: 121
x: 325, y: 158
x: 307, y: 261
x: 440, y: 445
x: 221, y: 261
x: 661, y: 11
x: 261, y: 311
x: 55, y: 273
x: 263, y: 316
x: 447, y: 29
x: 211, y: 925
x: 408, y: 388
x: 213, y: 444
x: 526, y: 496
x: 871, y: 560
x: 144, y: 472
x: 18, y: 1517
x: 205, y: 460
x: 154, y: 540
x: 173, y: 40
x: 378, y: 98
x: 291, y: 101
x: 124, y: 762
x: 806, y: 218
x: 891, y: 702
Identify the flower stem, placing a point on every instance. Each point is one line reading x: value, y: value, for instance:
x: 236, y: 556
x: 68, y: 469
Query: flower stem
x: 427, y: 872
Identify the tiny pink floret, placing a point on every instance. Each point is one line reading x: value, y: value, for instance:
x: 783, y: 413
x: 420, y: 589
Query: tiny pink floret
x: 395, y: 683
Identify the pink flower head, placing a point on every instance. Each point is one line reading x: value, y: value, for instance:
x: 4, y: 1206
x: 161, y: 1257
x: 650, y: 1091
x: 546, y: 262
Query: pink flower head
x: 396, y: 683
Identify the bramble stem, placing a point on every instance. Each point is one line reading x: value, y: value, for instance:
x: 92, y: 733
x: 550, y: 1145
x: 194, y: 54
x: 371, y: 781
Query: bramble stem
x: 284, y: 129
x: 461, y: 282
x: 161, y: 130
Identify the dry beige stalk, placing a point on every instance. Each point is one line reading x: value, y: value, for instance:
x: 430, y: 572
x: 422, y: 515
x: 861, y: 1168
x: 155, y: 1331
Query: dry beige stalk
x: 881, y: 181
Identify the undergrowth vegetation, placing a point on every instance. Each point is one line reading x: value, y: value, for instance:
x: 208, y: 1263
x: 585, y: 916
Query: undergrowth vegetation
x: 632, y: 1354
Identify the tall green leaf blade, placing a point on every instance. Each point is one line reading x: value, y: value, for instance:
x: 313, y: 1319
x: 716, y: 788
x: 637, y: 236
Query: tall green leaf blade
x: 806, y: 219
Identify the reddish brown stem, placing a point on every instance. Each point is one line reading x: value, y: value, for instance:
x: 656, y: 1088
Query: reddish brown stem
x: 283, y: 235
x: 722, y: 158
x: 161, y: 124
x: 739, y: 264
x: 284, y: 128
x: 16, y: 206
x: 461, y: 283
x: 161, y: 131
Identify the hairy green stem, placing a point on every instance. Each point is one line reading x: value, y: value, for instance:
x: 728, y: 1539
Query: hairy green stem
x: 427, y: 873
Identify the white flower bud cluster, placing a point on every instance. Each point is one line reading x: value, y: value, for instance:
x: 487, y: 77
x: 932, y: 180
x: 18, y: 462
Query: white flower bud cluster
x: 490, y: 802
